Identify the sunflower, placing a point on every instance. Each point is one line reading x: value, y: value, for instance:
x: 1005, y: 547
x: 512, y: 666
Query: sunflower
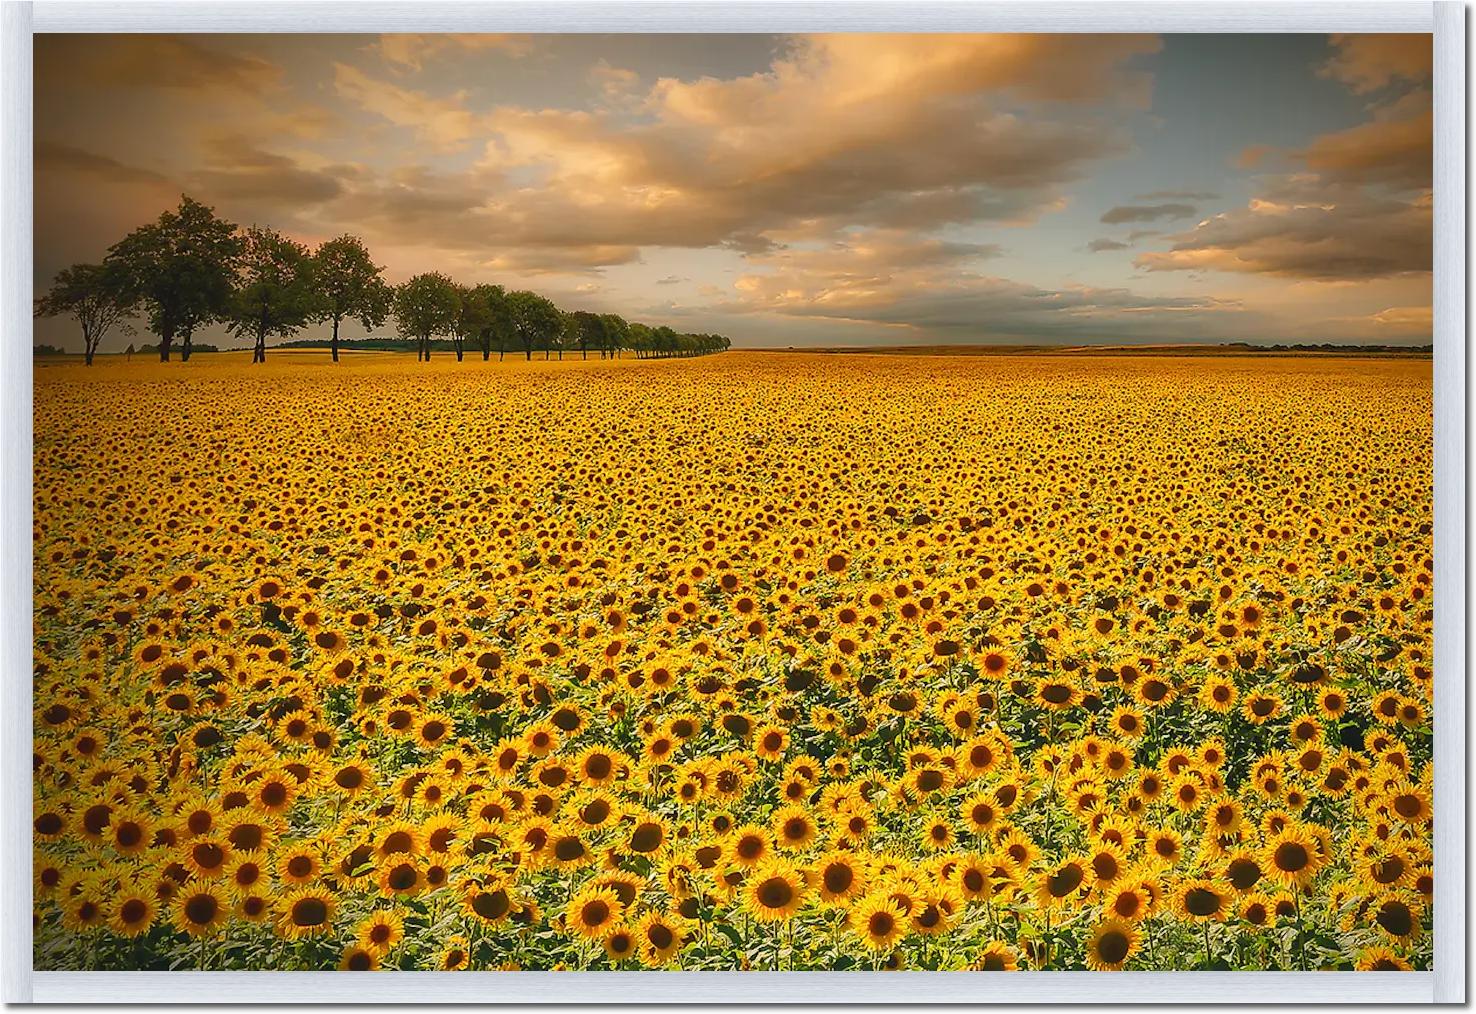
x: 593, y: 912
x: 1381, y: 959
x: 1061, y: 885
x: 770, y: 742
x: 207, y: 858
x: 357, y: 958
x: 1290, y: 856
x: 935, y: 912
x: 773, y: 892
x: 878, y: 920
x: 1242, y: 870
x: 1113, y: 942
x: 972, y: 878
x: 1128, y: 900
x: 306, y: 912
x: 658, y: 938
x: 793, y: 828
x: 1409, y: 804
x: 455, y: 954
x: 298, y: 865
x: 133, y: 912
x: 131, y: 832
x: 1165, y: 847
x: 748, y: 846
x: 491, y: 903
x: 200, y: 911
x: 1201, y: 900
x: 839, y: 877
x: 996, y: 956
x: 1256, y: 910
x: 1398, y: 914
x: 980, y: 813
x: 381, y: 931
x: 253, y: 906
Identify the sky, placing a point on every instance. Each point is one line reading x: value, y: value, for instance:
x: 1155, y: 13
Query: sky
x: 790, y: 190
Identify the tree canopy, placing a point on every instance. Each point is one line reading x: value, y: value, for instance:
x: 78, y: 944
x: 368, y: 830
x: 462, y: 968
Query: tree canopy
x: 425, y: 305
x: 275, y: 294
x: 351, y: 286
x: 181, y: 268
x: 190, y: 268
x: 98, y: 295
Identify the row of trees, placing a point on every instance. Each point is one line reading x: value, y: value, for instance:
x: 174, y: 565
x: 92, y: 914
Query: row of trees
x: 191, y: 269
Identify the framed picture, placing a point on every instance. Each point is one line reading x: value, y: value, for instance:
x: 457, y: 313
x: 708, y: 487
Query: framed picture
x: 883, y: 496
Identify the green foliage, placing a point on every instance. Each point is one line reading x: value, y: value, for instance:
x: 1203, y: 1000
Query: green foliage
x: 98, y: 295
x: 276, y: 294
x: 427, y: 304
x: 180, y: 268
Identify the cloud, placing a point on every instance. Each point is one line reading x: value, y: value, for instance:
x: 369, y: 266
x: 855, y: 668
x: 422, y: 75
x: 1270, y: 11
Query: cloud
x: 839, y: 131
x: 1146, y: 212
x: 1394, y: 151
x: 410, y: 52
x: 1359, y: 206
x: 1367, y: 63
x: 888, y: 132
x: 935, y: 288
x: 444, y: 122
x: 1100, y: 245
x: 1406, y: 318
x: 239, y: 171
x: 614, y: 82
x: 176, y: 62
x: 53, y: 156
x: 1253, y: 155
x: 1179, y: 195
x: 672, y: 280
x: 1303, y: 227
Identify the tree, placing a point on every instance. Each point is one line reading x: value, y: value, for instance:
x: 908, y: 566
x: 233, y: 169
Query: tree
x: 589, y: 329
x: 639, y: 339
x: 180, y: 268
x: 565, y: 337
x: 350, y: 285
x: 426, y: 305
x: 536, y: 322
x: 276, y: 293
x: 472, y: 318
x: 615, y: 335
x: 98, y: 295
x: 493, y: 314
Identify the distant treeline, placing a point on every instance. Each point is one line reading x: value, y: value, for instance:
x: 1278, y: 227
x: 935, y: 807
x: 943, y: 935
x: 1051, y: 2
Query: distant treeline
x: 190, y: 269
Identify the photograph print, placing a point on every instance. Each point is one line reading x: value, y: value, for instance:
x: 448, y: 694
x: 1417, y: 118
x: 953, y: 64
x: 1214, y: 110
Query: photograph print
x: 732, y: 502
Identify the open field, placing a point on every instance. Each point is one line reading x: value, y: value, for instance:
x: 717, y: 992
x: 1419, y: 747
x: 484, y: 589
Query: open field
x: 752, y: 661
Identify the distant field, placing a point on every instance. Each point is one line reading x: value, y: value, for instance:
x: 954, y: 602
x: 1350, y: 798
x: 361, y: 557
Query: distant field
x: 1120, y: 350
x: 794, y: 661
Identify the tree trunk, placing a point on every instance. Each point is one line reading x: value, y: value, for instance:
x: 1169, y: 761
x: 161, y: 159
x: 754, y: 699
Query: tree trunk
x: 187, y: 347
x: 335, y: 339
x: 166, y: 339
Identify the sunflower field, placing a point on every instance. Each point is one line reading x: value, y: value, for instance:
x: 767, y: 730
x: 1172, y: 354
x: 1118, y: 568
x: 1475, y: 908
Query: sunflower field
x: 760, y: 661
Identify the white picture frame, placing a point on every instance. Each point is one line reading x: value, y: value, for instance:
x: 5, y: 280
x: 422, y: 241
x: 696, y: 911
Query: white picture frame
x: 1445, y: 984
